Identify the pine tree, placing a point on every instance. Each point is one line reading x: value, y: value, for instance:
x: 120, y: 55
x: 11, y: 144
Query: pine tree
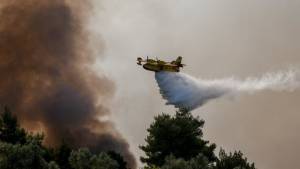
x: 10, y: 130
x: 180, y: 136
x: 233, y: 161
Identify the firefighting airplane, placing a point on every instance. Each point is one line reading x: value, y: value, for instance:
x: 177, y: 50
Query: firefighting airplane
x: 159, y: 65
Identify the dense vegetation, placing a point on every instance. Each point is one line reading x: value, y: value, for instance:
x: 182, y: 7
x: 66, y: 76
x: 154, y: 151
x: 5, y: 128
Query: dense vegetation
x: 177, y: 143
x: 173, y: 142
x: 22, y: 150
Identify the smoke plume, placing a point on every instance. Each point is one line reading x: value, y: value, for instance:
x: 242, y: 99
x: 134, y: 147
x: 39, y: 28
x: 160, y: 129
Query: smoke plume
x: 184, y: 91
x: 46, y: 75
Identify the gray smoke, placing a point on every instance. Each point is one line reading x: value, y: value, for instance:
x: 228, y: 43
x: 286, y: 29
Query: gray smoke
x: 47, y: 77
x: 184, y: 91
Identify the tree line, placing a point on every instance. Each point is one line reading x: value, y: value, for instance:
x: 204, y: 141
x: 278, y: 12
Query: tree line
x: 173, y: 142
x: 176, y: 142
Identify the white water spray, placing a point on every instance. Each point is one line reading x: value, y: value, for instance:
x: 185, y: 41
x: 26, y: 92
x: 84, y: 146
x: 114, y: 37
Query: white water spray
x: 184, y: 91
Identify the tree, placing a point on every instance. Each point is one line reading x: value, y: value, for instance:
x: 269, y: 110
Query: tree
x: 21, y: 150
x: 233, y: 161
x: 80, y: 159
x: 62, y: 155
x: 180, y: 136
x: 84, y: 159
x: 103, y: 161
x: 53, y: 165
x: 198, y: 162
x: 175, y: 163
x: 118, y: 158
x: 10, y: 130
x: 21, y: 156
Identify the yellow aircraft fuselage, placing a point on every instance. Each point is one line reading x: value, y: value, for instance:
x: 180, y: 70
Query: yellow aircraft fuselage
x: 158, y: 65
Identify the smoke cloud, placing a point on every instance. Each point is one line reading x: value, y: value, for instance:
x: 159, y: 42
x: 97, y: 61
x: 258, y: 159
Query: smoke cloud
x: 184, y: 91
x: 46, y: 75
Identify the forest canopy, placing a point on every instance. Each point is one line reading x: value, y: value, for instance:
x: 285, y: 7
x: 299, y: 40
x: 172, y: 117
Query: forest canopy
x: 173, y: 142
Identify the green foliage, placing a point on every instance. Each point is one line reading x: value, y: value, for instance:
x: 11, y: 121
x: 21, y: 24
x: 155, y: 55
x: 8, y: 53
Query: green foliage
x: 53, y: 165
x: 117, y: 157
x: 83, y: 159
x: 18, y: 149
x: 21, y: 150
x: 176, y: 143
x: 198, y: 162
x: 103, y: 161
x: 233, y: 161
x: 180, y: 136
x: 10, y: 130
x: 173, y: 142
x: 151, y: 167
x: 80, y: 159
x: 19, y: 156
x: 175, y: 163
x: 62, y: 156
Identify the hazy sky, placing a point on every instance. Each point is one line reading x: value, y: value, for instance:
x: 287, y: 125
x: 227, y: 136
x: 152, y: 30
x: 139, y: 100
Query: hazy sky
x: 217, y: 39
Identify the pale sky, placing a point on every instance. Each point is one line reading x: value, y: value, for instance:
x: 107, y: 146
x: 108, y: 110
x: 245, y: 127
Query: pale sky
x: 216, y: 39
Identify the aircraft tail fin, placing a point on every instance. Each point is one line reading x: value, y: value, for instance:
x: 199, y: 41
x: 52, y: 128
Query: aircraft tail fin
x: 178, y: 61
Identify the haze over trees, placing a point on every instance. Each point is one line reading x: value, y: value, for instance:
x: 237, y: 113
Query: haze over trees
x: 173, y: 142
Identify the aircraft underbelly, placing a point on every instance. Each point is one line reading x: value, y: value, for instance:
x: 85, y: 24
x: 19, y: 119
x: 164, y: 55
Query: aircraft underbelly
x: 170, y: 68
x: 158, y: 68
